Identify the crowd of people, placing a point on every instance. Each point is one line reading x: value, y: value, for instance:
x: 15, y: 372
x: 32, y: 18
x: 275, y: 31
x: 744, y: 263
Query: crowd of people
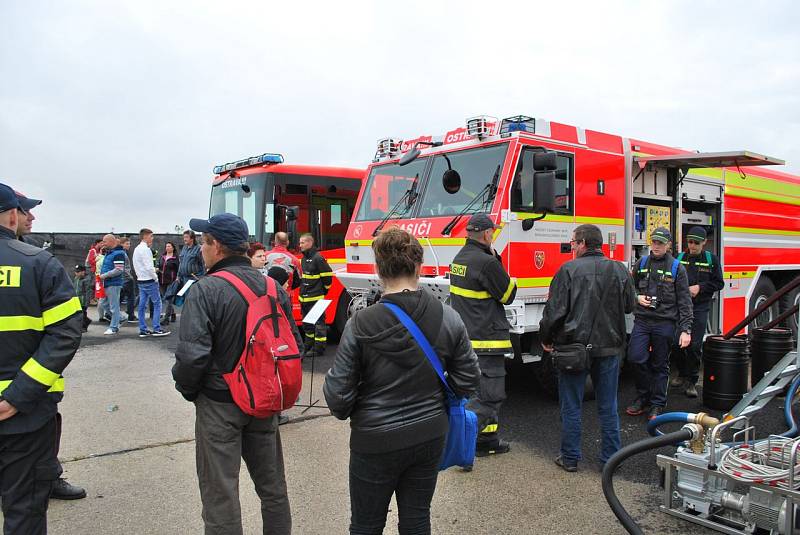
x: 380, y: 378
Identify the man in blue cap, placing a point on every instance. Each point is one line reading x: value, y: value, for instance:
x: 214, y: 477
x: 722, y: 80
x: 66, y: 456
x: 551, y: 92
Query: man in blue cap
x: 664, y: 308
x: 479, y: 287
x: 705, y: 279
x: 211, y: 340
x: 40, y: 330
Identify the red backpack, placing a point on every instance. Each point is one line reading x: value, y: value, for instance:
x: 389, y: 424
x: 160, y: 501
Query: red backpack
x: 269, y: 375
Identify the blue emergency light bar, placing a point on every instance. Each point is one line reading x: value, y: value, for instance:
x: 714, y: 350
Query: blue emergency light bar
x: 518, y: 123
x: 266, y: 158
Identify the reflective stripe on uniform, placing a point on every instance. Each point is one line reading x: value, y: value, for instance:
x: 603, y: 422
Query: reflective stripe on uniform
x: 491, y: 428
x: 307, y: 276
x: 310, y: 299
x: 62, y: 311
x: 491, y: 344
x: 471, y: 294
x: 320, y: 338
x: 58, y: 386
x: 39, y: 373
x: 49, y: 317
x: 326, y: 274
x: 511, y: 284
x: 309, y: 335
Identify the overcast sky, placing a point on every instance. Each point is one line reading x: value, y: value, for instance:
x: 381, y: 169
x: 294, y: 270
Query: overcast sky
x: 116, y: 112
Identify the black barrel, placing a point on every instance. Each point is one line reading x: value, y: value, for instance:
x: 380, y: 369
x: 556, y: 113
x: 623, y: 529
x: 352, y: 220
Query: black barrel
x: 767, y: 348
x: 725, y: 371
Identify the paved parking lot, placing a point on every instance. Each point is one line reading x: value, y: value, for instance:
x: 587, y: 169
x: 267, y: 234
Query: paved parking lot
x: 128, y: 438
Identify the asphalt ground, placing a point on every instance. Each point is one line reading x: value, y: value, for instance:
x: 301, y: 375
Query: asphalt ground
x: 129, y: 439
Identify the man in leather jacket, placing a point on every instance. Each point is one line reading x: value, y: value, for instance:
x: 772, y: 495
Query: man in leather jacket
x: 573, y: 314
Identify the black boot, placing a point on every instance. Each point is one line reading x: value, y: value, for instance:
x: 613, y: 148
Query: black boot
x: 62, y: 490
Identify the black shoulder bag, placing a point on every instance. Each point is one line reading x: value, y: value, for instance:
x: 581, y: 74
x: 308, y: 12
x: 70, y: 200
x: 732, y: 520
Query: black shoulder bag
x: 577, y: 357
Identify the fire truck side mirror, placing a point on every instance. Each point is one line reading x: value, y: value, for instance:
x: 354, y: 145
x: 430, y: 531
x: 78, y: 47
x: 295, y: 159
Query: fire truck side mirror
x: 291, y: 213
x: 544, y: 181
x: 451, y: 181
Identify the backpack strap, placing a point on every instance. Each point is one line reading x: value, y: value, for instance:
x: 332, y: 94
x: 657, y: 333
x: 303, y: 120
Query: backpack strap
x: 643, y: 262
x: 709, y: 259
x: 237, y: 283
x: 675, y: 264
x: 680, y: 256
x: 272, y: 294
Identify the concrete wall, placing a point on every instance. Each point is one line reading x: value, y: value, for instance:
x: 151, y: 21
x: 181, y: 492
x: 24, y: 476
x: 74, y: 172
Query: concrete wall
x: 71, y: 248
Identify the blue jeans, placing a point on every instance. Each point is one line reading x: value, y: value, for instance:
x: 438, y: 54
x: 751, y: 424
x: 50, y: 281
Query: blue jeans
x: 112, y: 295
x: 148, y: 291
x: 649, y: 350
x: 409, y: 473
x: 605, y: 377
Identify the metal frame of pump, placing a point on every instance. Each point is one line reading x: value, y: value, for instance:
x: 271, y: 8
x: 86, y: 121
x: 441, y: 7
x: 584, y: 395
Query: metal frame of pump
x: 732, y: 487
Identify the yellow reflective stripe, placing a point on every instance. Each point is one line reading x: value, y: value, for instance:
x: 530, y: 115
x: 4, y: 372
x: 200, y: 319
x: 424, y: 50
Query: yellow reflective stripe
x: 61, y: 312
x: 21, y: 323
x: 534, y: 282
x: 768, y: 231
x: 511, y: 285
x: 58, y: 386
x: 320, y: 338
x: 309, y: 335
x: 472, y: 294
x: 337, y: 261
x: 491, y: 344
x: 739, y: 274
x: 491, y: 428
x: 309, y: 299
x: 39, y: 373
x: 326, y: 274
x: 307, y: 276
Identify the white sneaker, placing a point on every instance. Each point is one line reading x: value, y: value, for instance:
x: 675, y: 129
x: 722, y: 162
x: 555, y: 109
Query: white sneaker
x: 110, y: 331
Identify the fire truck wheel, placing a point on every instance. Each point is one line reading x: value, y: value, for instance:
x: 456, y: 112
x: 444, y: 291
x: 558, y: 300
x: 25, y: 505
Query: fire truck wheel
x: 763, y: 290
x: 342, y: 315
x: 788, y: 301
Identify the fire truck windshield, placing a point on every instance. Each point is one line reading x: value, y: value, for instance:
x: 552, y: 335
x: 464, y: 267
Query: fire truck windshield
x: 245, y: 197
x: 476, y: 168
x: 385, y: 186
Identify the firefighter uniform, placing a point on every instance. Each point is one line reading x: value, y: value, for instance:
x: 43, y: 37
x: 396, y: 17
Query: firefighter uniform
x: 40, y: 330
x: 479, y: 287
x: 705, y: 271
x: 317, y: 278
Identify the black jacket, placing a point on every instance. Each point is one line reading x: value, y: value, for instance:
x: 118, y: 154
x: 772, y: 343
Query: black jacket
x: 674, y: 300
x: 212, y: 331
x: 574, y: 305
x: 708, y: 277
x: 317, y: 277
x: 479, y: 287
x: 383, y: 382
x: 40, y: 330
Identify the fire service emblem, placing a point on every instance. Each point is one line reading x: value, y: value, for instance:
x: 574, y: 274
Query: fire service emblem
x: 538, y: 259
x: 357, y: 232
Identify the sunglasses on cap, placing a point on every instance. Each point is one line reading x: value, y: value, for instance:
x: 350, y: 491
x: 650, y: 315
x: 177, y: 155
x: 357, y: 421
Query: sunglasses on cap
x: 694, y: 242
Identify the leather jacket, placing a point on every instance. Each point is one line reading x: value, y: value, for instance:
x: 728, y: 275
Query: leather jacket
x: 383, y: 382
x: 573, y: 305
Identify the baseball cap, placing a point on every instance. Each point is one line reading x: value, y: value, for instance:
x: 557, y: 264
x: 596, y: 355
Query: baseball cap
x: 661, y: 234
x: 697, y: 233
x: 228, y: 229
x: 8, y: 199
x: 279, y: 274
x: 480, y: 222
x: 27, y: 203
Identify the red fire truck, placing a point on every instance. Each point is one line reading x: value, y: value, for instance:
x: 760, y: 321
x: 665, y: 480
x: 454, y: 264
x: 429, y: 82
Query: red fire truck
x: 625, y: 186
x: 272, y: 196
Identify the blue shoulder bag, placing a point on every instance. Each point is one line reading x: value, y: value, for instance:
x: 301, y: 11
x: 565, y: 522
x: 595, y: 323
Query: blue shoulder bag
x: 459, y: 450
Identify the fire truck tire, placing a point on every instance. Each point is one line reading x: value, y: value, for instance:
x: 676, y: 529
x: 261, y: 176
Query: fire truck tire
x: 788, y: 301
x: 342, y: 315
x: 763, y: 290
